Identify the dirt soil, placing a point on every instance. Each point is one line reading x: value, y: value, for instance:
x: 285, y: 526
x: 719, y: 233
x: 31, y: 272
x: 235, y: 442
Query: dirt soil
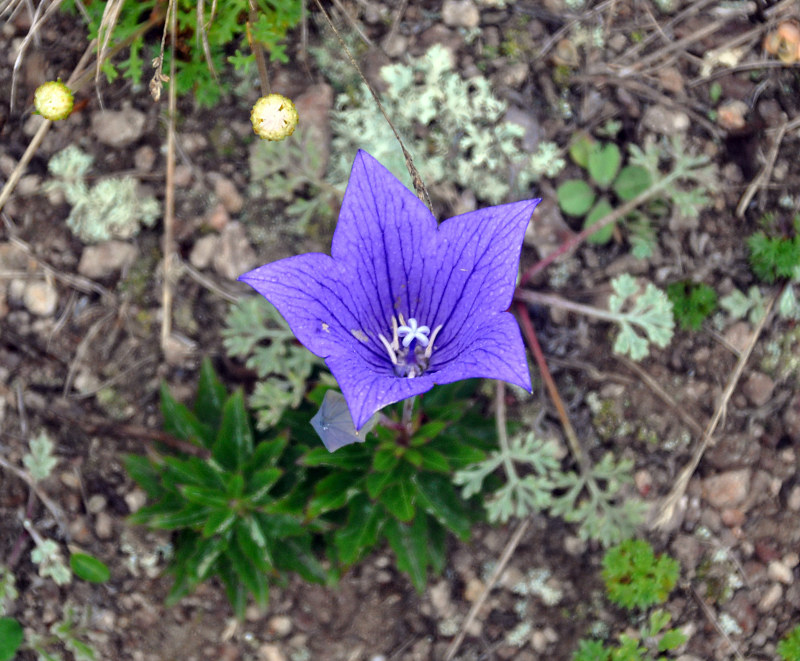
x: 80, y: 354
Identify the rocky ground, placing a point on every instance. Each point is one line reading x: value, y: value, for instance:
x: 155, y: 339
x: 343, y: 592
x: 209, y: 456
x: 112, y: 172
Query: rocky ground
x: 79, y: 340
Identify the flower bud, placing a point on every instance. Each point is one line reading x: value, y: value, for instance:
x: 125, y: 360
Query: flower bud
x: 53, y: 100
x: 274, y: 117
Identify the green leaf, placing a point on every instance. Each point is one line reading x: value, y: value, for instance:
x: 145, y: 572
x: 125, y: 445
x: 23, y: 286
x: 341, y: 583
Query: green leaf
x: 360, y: 534
x: 331, y: 493
x: 600, y: 211
x: 218, y: 522
x: 433, y: 460
x: 11, y: 636
x: 350, y: 457
x: 234, y: 443
x: 40, y: 461
x: 580, y: 147
x: 410, y: 546
x: 192, y: 470
x: 633, y: 180
x: 259, y: 485
x: 398, y: 498
x: 142, y: 471
x: 604, y: 162
x: 254, y: 580
x: 89, y: 568
x: 437, y: 496
x: 428, y: 431
x: 211, y: 395
x: 377, y: 482
x: 671, y: 640
x: 294, y: 554
x: 210, y: 498
x: 252, y: 548
x: 385, y: 459
x: 181, y: 422
x: 266, y: 453
x: 575, y: 197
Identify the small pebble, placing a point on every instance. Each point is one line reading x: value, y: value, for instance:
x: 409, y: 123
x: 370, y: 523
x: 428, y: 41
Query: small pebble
x: 280, y: 625
x: 135, y: 500
x: 770, y: 599
x: 758, y: 388
x: 107, y: 258
x: 96, y: 504
x: 727, y: 489
x: 118, y: 128
x: 144, y: 158
x: 203, y: 251
x: 40, y: 298
x: 778, y: 571
x: 270, y: 652
x: 226, y: 191
x: 460, y: 14
x: 103, y: 526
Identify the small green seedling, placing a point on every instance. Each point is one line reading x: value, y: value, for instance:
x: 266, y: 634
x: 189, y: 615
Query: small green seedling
x: 607, y: 182
x: 691, y: 303
x: 775, y: 254
x: 789, y: 647
x: 630, y: 648
x: 635, y: 577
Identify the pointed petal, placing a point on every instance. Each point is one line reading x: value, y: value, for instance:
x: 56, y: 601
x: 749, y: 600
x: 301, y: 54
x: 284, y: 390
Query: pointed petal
x: 381, y: 236
x: 311, y: 293
x: 367, y: 391
x: 477, y: 263
x: 488, y: 347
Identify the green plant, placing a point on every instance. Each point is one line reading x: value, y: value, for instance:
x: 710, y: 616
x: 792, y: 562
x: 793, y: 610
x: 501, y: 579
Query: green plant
x: 602, y: 162
x: 208, y: 31
x: 112, y: 208
x: 456, y: 124
x: 774, y: 257
x: 256, y: 333
x: 535, y: 482
x: 789, y: 646
x: 11, y: 636
x: 635, y: 577
x: 692, y: 303
x: 649, y: 310
x: 69, y: 632
x: 232, y: 509
x: 292, y: 171
x: 641, y: 179
x: 630, y: 647
x: 400, y: 490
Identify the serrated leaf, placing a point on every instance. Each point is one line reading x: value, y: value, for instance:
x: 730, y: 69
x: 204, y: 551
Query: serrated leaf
x: 360, y: 534
x: 88, y: 568
x: 575, y: 197
x: 603, y: 164
x: 181, y: 422
x: 234, y: 443
x: 410, y: 546
x: 211, y: 395
x: 437, y: 496
x: 40, y: 461
x: 671, y: 640
x: 398, y: 498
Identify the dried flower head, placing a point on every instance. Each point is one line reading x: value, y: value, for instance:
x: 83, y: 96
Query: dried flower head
x: 53, y: 100
x: 784, y: 42
x: 402, y: 303
x: 274, y: 117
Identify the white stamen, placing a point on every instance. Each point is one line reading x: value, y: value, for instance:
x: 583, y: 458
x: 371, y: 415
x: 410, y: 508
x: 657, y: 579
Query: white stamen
x: 395, y: 341
x: 389, y: 348
x: 413, y: 332
x: 429, y: 347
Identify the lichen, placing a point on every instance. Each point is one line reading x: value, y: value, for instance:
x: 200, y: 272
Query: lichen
x: 454, y: 126
x: 111, y: 209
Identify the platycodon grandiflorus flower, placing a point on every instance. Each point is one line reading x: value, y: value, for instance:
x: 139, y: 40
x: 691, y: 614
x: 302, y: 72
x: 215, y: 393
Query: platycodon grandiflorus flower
x: 402, y: 303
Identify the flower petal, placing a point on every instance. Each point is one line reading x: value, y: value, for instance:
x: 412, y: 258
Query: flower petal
x: 489, y: 347
x: 477, y: 257
x: 382, y: 235
x: 367, y: 391
x: 310, y: 293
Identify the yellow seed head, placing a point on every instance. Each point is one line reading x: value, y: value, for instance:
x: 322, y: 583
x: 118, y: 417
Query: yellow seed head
x: 53, y: 100
x: 274, y: 117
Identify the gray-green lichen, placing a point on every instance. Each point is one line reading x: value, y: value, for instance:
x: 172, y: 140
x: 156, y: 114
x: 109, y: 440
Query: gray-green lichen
x: 111, y: 209
x: 454, y: 127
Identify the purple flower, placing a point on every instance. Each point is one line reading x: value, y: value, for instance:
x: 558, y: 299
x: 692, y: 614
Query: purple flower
x: 401, y: 304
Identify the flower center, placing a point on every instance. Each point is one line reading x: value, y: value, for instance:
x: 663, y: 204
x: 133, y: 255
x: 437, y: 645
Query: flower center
x: 412, y: 357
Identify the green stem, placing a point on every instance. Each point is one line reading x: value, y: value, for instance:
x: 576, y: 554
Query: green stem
x: 502, y: 433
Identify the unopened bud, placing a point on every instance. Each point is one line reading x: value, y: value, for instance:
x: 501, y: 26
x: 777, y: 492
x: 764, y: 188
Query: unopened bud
x: 53, y: 100
x: 274, y: 117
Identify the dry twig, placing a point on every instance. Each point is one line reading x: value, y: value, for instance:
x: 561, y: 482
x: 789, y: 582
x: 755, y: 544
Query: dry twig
x: 667, y: 510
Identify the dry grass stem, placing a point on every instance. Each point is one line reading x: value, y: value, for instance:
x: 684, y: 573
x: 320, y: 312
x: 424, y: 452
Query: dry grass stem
x: 762, y: 179
x: 713, y: 620
x: 104, y: 33
x: 202, y: 36
x: 666, y: 512
x: 169, y: 194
